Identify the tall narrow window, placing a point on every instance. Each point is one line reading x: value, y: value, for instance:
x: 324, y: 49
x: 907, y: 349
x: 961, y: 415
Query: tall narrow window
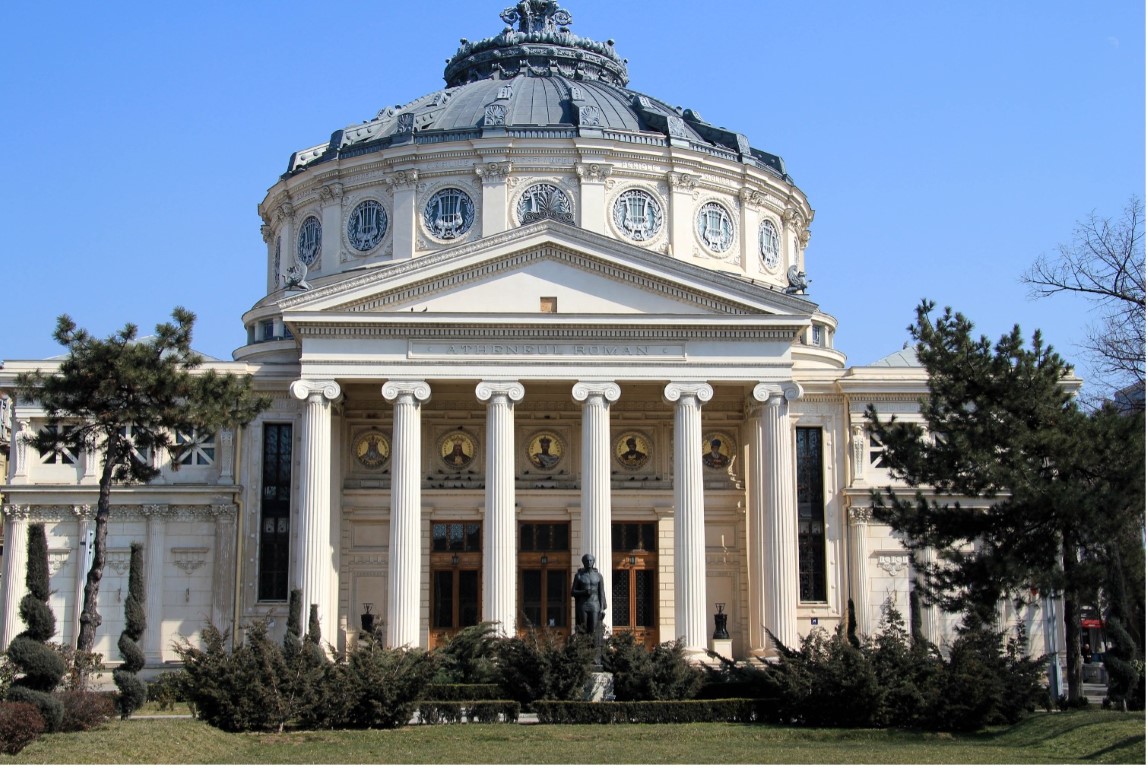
x: 810, y: 515
x: 275, y: 513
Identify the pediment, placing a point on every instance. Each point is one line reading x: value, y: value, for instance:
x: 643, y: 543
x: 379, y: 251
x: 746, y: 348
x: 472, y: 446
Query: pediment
x: 512, y: 272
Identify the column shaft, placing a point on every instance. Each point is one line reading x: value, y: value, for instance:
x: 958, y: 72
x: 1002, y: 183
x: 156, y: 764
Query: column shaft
x: 596, y: 398
x: 689, y: 514
x: 755, y: 529
x: 153, y: 563
x: 499, y: 575
x: 404, y: 558
x: 779, y: 478
x: 859, y: 564
x: 315, y: 554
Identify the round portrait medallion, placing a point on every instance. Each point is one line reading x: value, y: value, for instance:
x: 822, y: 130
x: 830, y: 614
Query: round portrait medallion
x: 457, y: 449
x: 632, y: 450
x: 717, y: 451
x: 544, y: 450
x: 372, y: 449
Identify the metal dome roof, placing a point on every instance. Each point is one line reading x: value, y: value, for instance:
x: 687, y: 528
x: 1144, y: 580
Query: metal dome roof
x: 539, y: 81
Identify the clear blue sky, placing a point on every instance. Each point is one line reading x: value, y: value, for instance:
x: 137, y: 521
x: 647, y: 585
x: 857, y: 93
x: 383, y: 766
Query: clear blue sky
x: 944, y: 145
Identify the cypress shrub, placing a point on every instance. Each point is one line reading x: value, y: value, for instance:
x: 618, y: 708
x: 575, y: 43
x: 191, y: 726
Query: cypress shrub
x: 133, y: 691
x: 469, y: 656
x: 41, y: 668
x: 377, y: 687
x: 1125, y: 677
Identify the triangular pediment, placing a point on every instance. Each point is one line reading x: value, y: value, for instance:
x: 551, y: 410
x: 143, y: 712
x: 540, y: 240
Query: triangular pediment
x: 511, y: 273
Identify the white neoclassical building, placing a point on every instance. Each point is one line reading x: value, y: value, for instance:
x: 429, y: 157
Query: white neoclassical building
x: 533, y: 315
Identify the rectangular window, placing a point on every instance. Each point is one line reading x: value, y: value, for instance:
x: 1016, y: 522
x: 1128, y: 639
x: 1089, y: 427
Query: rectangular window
x: 60, y: 452
x: 194, y: 448
x: 544, y: 575
x: 810, y: 515
x: 275, y: 512
x: 548, y: 305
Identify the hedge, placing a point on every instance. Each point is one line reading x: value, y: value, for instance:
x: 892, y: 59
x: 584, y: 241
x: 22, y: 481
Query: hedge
x: 610, y: 712
x: 493, y: 711
x: 462, y: 692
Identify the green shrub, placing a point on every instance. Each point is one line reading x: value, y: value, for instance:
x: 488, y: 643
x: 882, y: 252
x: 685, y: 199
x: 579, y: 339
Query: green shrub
x: 377, y: 687
x: 469, y: 656
x: 440, y: 712
x: 463, y: 692
x: 494, y: 711
x: 240, y: 690
x: 542, y: 665
x: 20, y: 725
x: 640, y: 674
x: 168, y: 688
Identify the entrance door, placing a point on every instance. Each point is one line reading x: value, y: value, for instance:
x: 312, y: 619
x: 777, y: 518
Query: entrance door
x: 544, y: 576
x: 634, y: 607
x: 456, y: 578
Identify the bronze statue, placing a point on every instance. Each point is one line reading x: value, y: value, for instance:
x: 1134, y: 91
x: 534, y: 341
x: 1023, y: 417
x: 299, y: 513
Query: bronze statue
x: 589, y: 591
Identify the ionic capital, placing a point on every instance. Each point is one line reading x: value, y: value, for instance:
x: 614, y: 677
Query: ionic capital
x: 417, y: 391
x: 768, y: 390
x: 511, y: 390
x: 304, y: 389
x: 687, y: 390
x: 586, y: 390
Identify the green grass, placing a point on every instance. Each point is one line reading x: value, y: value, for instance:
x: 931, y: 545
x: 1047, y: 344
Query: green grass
x: 1077, y: 737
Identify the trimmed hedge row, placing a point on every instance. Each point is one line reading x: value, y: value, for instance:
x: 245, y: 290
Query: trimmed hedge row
x: 493, y: 711
x: 611, y: 712
x: 463, y: 692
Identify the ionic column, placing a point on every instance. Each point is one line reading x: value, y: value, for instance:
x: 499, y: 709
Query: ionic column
x: 859, y: 518
x: 596, y: 398
x: 755, y: 526
x: 778, y: 477
x: 689, y: 513
x: 499, y: 582
x: 315, y: 552
x: 15, y: 571
x: 404, y: 570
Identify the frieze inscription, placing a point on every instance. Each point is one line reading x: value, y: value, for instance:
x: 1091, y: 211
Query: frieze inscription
x: 546, y: 350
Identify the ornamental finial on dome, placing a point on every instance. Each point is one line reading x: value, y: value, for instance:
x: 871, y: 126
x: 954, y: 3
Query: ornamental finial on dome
x: 537, y: 16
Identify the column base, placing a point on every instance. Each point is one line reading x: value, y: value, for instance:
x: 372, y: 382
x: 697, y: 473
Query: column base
x: 723, y: 648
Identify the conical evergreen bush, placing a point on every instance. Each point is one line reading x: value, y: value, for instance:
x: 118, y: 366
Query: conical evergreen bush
x: 133, y: 691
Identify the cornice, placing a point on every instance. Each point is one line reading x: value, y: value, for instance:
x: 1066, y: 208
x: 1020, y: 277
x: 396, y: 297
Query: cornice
x: 47, y: 513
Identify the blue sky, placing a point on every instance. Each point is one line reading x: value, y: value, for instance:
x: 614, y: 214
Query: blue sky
x: 944, y: 145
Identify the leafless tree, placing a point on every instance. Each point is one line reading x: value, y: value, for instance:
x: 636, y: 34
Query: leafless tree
x: 1104, y: 263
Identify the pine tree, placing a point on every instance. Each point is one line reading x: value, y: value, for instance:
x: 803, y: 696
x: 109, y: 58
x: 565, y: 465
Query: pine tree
x: 123, y: 397
x: 1022, y: 481
x: 41, y: 668
x: 133, y: 691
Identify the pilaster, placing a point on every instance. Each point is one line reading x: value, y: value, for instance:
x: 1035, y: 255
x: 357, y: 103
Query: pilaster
x: 404, y: 185
x: 592, y: 210
x: 15, y: 572
x: 495, y: 217
x: 859, y: 518
x: 153, y: 565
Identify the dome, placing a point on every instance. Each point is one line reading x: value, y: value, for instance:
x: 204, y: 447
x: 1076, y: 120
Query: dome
x: 546, y: 81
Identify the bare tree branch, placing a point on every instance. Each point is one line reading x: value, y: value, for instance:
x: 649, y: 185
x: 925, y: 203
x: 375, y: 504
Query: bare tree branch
x: 1104, y: 263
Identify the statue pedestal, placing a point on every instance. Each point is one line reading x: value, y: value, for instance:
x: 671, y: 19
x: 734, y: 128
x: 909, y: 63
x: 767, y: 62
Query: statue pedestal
x: 722, y: 648
x: 599, y: 687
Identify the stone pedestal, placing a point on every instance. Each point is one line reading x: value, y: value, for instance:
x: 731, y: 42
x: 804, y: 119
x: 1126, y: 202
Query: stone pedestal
x: 723, y: 648
x: 600, y: 687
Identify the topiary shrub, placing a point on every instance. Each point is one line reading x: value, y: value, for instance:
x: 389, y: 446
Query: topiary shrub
x: 40, y: 667
x: 640, y: 674
x: 1125, y: 670
x: 133, y: 691
x: 20, y: 725
x: 542, y: 665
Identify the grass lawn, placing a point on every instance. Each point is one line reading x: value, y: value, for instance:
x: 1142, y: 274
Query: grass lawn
x: 1078, y: 737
